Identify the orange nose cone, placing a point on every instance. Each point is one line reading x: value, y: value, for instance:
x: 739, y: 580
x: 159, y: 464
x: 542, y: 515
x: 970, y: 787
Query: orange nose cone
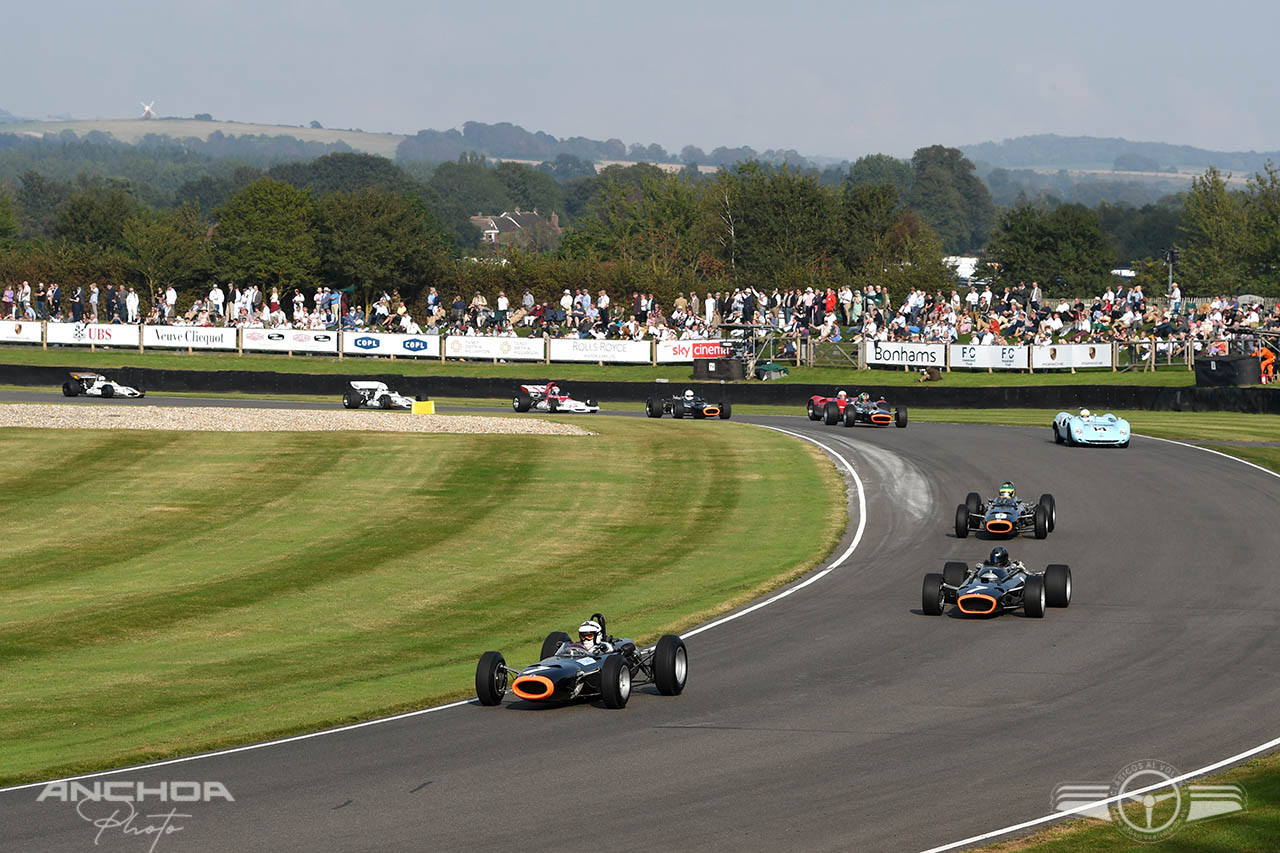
x: 999, y: 526
x: 976, y: 604
x: 711, y: 411
x: 533, y: 687
x: 881, y: 418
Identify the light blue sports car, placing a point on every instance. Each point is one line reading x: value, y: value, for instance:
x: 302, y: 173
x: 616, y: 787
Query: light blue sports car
x: 1090, y: 429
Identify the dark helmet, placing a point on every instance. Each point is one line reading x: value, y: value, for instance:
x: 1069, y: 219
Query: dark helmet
x: 999, y: 557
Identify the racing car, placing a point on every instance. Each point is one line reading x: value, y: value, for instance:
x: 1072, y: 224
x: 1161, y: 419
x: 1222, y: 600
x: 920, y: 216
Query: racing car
x: 597, y: 667
x: 855, y: 410
x: 996, y: 585
x: 1089, y: 429
x: 97, y: 385
x: 1006, y: 515
x: 549, y: 398
x: 687, y: 404
x: 374, y: 395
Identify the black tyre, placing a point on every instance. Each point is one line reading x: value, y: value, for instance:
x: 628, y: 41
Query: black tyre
x: 1057, y: 436
x: 814, y: 413
x: 592, y: 404
x: 726, y: 411
x: 1057, y: 585
x: 670, y: 665
x: 615, y: 682
x: 931, y: 596
x: 521, y: 402
x: 553, y: 405
x: 1041, y: 517
x: 552, y: 643
x: 1123, y: 444
x: 954, y: 573
x: 108, y: 390
x: 900, y: 417
x: 352, y: 399
x: 653, y: 408
x: 831, y: 414
x: 70, y: 389
x: 491, y: 678
x: 850, y: 416
x: 384, y: 402
x: 677, y: 409
x: 973, y: 501
x: 1033, y: 596
x: 1051, y: 507
x: 141, y: 392
x: 962, y: 522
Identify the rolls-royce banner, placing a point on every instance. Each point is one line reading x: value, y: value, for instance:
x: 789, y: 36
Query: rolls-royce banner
x: 19, y: 332
x: 670, y: 352
x: 976, y: 355
x: 385, y: 343
x: 915, y: 355
x: 591, y: 349
x: 290, y: 340
x: 195, y: 337
x: 509, y: 349
x: 1071, y: 355
x: 98, y: 334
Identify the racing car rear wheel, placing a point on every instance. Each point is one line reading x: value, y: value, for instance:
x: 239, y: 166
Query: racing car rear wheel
x: 814, y: 414
x: 670, y: 665
x: 831, y: 414
x: 491, y: 678
x: 962, y: 521
x: 1057, y: 585
x: 1041, y: 518
x: 973, y: 501
x: 1051, y: 507
x: 70, y: 389
x: 931, y: 596
x: 726, y: 411
x: 352, y: 399
x: 521, y: 402
x: 900, y: 417
x: 552, y: 643
x: 954, y: 573
x: 1033, y: 596
x: 108, y: 390
x: 615, y: 682
x: 384, y: 402
x: 652, y: 408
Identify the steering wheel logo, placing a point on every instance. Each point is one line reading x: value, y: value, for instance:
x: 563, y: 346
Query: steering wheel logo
x: 1150, y: 806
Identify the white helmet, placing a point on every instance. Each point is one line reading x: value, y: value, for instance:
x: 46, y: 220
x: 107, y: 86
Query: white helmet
x: 842, y: 394
x: 589, y: 633
x: 1084, y: 413
x: 688, y: 394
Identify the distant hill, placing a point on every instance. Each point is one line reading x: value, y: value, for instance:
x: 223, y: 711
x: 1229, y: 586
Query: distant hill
x: 7, y: 117
x: 1049, y: 151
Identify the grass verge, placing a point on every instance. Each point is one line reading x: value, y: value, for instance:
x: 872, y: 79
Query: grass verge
x: 175, y: 592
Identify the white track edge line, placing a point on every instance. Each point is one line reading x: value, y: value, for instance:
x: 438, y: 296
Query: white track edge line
x: 862, y: 523
x: 1208, y: 768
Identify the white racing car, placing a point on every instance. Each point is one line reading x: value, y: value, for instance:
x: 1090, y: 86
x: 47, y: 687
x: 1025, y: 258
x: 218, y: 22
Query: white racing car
x: 548, y: 398
x: 97, y: 385
x: 374, y: 395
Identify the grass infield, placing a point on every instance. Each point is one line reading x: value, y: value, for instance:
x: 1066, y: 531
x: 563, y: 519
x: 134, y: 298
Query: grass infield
x: 173, y: 592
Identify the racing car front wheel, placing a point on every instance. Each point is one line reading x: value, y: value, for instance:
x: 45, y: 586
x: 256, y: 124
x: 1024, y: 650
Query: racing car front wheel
x: 1041, y: 519
x: 814, y: 414
x: 1057, y: 585
x: 552, y: 643
x: 385, y: 401
x: 954, y: 573
x: 491, y: 678
x: 900, y: 417
x: 70, y: 389
x: 108, y: 390
x: 1033, y: 596
x: 973, y: 502
x: 1057, y: 436
x: 726, y: 410
x: 1051, y: 507
x: 670, y: 665
x: 962, y: 521
x: 615, y: 682
x: 831, y: 413
x: 931, y: 595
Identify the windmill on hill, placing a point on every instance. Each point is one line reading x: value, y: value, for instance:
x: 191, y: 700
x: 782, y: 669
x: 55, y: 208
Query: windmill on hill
x: 147, y: 112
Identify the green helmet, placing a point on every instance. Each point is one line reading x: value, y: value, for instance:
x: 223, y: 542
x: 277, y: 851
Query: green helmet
x: 1006, y: 490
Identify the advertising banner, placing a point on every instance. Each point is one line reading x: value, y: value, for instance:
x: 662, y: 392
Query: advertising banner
x: 98, y: 334
x: 194, y: 337
x: 914, y: 355
x: 671, y: 352
x: 385, y: 343
x: 1071, y: 355
x: 290, y: 340
x: 19, y: 332
x: 590, y: 349
x: 1000, y: 357
x: 506, y: 349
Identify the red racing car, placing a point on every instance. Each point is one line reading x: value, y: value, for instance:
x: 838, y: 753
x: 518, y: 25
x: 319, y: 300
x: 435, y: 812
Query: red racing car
x: 843, y: 408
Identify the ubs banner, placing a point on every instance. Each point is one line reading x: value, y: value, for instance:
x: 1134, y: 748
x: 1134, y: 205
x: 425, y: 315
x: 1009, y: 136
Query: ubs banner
x: 915, y: 355
x: 385, y: 343
x: 194, y: 337
x: 976, y: 355
x: 98, y: 334
x: 1071, y: 355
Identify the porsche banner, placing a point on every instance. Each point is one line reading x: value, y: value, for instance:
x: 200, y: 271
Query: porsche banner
x: 1071, y: 355
x: 20, y: 332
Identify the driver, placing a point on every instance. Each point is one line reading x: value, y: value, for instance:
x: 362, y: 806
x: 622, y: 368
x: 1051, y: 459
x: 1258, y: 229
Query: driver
x: 842, y: 394
x: 864, y: 397
x: 999, y: 557
x: 688, y: 395
x: 553, y: 390
x: 1006, y: 493
x: 1085, y: 414
x: 591, y: 637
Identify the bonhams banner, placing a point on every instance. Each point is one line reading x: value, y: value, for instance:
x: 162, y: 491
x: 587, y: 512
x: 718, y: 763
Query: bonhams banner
x: 976, y: 355
x: 591, y: 349
x: 670, y: 352
x: 505, y: 349
x: 1071, y: 355
x: 193, y: 337
x: 915, y: 355
x: 98, y: 334
x: 19, y: 332
x: 290, y: 340
x: 379, y: 343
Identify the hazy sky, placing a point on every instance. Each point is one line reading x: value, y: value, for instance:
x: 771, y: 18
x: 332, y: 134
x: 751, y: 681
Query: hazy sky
x: 837, y: 79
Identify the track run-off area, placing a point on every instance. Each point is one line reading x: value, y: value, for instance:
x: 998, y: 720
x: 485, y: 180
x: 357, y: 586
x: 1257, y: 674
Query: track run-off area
x: 831, y: 715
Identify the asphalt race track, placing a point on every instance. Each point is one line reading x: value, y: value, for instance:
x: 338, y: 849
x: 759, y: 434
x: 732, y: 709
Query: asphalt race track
x: 839, y: 717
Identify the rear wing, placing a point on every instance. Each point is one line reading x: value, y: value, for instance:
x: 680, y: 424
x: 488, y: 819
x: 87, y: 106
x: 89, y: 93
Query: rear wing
x: 369, y: 386
x: 88, y: 376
